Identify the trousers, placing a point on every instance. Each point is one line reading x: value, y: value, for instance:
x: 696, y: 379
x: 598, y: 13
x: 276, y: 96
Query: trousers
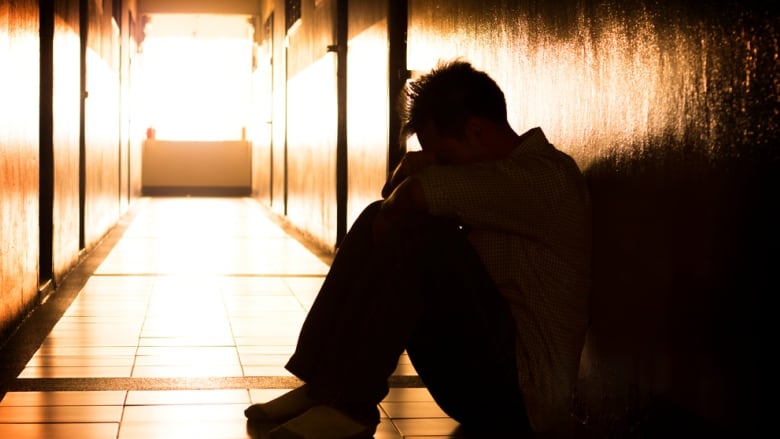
x: 427, y: 292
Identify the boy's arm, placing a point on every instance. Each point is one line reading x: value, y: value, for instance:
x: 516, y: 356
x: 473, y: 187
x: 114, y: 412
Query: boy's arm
x: 407, y: 197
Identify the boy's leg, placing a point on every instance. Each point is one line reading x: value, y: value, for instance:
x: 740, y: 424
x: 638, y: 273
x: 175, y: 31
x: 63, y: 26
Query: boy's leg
x: 358, y: 325
x: 426, y: 292
x: 327, y: 340
x: 464, y: 346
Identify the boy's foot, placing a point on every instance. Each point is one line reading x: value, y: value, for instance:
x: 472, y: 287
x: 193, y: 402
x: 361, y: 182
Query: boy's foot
x: 282, y: 408
x: 323, y: 422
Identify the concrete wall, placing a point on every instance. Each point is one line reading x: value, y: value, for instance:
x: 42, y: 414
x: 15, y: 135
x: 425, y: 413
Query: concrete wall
x: 671, y: 110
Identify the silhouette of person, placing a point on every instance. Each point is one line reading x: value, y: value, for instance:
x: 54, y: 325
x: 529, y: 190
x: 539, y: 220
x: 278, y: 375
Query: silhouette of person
x: 476, y: 262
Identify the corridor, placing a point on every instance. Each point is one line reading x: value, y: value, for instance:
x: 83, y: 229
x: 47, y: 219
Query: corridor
x: 181, y: 317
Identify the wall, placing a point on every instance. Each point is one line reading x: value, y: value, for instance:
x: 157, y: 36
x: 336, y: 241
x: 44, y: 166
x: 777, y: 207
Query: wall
x: 670, y: 108
x: 368, y: 104
x: 66, y: 101
x: 305, y: 118
x: 60, y: 155
x: 261, y: 121
x: 101, y: 123
x: 19, y: 87
x: 201, y: 166
x: 130, y: 137
x: 311, y: 149
x: 278, y: 153
x: 302, y: 95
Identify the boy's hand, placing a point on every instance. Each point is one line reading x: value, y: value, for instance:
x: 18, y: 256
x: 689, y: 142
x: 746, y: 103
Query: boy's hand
x: 407, y: 197
x: 411, y: 163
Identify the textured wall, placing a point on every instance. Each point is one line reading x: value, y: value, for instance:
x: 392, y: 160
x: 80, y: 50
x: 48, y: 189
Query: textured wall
x: 279, y: 111
x: 671, y: 109
x: 20, y: 146
x: 66, y: 100
x: 101, y: 121
x: 261, y: 121
x: 303, y: 176
x: 19, y: 158
x: 368, y: 105
x: 309, y: 40
x: 305, y: 121
x: 311, y: 150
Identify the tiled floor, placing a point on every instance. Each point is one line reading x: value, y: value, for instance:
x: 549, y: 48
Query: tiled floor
x: 181, y: 318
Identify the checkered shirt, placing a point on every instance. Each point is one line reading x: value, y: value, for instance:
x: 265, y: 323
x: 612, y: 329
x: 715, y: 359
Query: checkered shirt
x: 530, y: 222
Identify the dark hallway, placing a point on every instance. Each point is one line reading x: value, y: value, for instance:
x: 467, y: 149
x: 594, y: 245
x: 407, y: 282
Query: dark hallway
x: 154, y: 273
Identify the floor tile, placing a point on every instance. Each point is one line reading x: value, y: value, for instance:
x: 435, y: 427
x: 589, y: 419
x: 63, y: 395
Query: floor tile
x: 186, y: 355
x: 426, y: 427
x: 194, y: 413
x: 80, y: 360
x: 185, y: 397
x: 198, y: 297
x: 184, y: 340
x: 84, y: 371
x: 386, y: 430
x: 192, y: 370
x: 64, y: 414
x: 66, y: 398
x: 184, y: 429
x: 264, y: 360
x: 264, y: 395
x: 261, y: 370
x: 60, y: 431
x: 48, y: 349
x: 413, y: 409
x: 404, y: 394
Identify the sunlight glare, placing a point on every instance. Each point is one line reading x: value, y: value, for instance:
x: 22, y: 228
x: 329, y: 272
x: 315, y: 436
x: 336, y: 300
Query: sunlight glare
x: 197, y: 77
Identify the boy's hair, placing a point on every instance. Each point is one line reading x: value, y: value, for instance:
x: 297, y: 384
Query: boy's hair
x: 448, y: 95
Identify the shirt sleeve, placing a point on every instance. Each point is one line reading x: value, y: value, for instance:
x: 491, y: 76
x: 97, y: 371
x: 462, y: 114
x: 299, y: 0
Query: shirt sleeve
x: 519, y: 194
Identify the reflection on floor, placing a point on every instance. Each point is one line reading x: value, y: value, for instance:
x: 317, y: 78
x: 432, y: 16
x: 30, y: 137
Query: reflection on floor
x: 184, y: 315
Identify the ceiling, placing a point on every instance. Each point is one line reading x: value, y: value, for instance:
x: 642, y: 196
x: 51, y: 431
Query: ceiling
x: 233, y: 7
x: 198, y: 25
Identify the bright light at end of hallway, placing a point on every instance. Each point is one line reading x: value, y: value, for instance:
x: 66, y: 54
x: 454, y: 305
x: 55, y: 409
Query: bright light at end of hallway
x: 197, y: 73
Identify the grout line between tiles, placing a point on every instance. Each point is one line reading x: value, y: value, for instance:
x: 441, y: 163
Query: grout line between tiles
x: 178, y: 383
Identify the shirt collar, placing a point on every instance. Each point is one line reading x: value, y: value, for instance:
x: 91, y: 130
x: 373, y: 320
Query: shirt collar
x: 533, y: 140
